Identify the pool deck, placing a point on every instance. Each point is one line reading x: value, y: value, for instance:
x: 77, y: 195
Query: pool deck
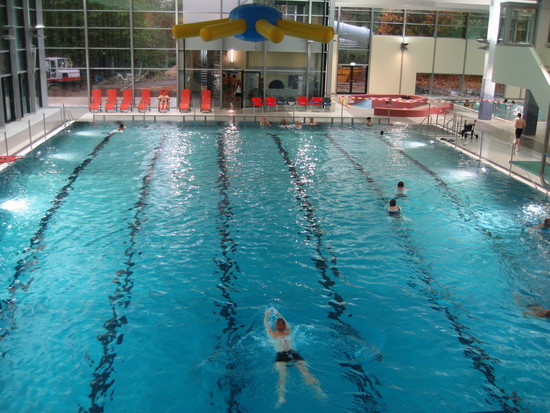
x: 495, y: 145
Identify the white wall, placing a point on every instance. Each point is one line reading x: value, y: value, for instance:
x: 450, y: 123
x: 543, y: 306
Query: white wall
x: 522, y: 67
x: 385, y: 65
x: 452, y: 56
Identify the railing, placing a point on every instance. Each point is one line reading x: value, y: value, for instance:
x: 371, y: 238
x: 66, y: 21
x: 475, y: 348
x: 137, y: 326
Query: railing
x: 38, y: 128
x: 195, y: 116
x: 483, y: 147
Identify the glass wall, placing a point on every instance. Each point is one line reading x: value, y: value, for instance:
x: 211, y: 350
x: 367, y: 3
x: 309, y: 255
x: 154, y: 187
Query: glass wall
x: 117, y: 44
x: 20, y: 83
x: 355, y: 25
x: 517, y: 25
x: 235, y: 75
x: 128, y: 44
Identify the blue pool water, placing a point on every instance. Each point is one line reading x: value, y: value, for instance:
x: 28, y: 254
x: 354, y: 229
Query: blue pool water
x: 509, y: 111
x: 137, y: 266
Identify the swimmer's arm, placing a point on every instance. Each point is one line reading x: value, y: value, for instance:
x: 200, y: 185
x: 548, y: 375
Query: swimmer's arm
x: 536, y: 227
x: 266, y: 323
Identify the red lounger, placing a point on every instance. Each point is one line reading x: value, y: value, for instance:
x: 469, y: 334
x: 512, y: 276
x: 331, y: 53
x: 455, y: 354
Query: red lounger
x: 145, y: 103
x: 126, y: 105
x: 206, y: 101
x: 185, y: 101
x: 271, y: 101
x: 95, y: 105
x: 302, y: 101
x: 316, y: 101
x: 257, y: 103
x: 112, y: 100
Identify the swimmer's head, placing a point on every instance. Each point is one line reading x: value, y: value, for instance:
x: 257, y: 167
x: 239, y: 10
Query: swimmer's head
x: 547, y: 222
x: 381, y: 132
x: 401, y: 184
x: 280, y: 324
x: 393, y: 203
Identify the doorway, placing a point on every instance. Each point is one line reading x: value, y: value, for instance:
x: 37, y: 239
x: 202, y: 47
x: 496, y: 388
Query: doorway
x: 252, y: 87
x: 232, y: 89
x: 352, y: 79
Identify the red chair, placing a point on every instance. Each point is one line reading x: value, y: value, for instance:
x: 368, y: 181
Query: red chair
x: 185, y: 101
x: 126, y: 105
x: 257, y: 103
x: 271, y: 101
x: 95, y: 104
x: 112, y: 100
x: 316, y: 101
x: 206, y: 101
x: 302, y: 101
x: 164, y: 100
x: 145, y: 102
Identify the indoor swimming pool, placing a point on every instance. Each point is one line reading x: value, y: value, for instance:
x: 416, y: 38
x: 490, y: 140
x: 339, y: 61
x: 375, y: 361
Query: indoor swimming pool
x: 137, y: 268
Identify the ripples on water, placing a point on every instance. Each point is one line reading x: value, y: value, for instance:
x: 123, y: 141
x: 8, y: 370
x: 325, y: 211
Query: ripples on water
x: 145, y: 288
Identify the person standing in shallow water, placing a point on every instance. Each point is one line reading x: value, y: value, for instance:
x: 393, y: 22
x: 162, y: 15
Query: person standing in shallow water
x: 281, y: 336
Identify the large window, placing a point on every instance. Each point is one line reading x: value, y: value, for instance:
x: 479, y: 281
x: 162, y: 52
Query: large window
x: 420, y: 23
x: 125, y: 46
x: 477, y: 26
x: 451, y: 24
x: 389, y: 22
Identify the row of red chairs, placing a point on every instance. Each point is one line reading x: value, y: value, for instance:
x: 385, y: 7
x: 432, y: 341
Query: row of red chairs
x: 126, y: 105
x: 185, y: 100
x: 300, y: 101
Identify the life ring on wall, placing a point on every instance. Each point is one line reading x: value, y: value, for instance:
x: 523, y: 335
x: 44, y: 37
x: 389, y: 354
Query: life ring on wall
x: 254, y: 23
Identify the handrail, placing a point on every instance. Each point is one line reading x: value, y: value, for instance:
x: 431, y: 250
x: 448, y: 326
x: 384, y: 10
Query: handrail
x: 545, y: 153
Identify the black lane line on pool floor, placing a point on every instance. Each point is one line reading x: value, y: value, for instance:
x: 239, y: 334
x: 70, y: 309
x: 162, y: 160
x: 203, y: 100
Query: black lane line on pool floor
x: 461, y: 208
x: 480, y: 358
x: 227, y: 270
x: 120, y: 299
x: 367, y: 394
x: 37, y: 245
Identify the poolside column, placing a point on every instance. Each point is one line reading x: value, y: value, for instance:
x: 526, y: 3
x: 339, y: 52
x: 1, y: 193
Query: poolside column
x: 487, y: 85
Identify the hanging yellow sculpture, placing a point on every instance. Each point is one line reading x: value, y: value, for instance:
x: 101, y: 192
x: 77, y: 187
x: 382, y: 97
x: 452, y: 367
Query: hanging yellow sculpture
x: 254, y: 23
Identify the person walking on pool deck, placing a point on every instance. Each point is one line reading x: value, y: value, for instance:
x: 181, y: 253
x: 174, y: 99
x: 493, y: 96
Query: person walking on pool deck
x: 285, y: 354
x: 519, y: 125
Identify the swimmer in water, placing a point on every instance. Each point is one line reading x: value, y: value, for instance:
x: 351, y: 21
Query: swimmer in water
x: 265, y: 122
x: 544, y: 225
x: 533, y: 309
x: 285, y: 355
x: 401, y: 190
x: 537, y: 310
x: 121, y: 127
x: 393, y: 208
